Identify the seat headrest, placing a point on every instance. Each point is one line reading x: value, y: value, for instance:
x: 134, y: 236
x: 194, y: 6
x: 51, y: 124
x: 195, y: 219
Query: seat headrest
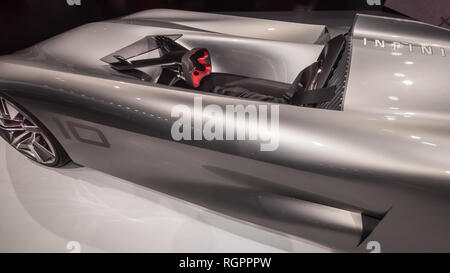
x: 196, y: 65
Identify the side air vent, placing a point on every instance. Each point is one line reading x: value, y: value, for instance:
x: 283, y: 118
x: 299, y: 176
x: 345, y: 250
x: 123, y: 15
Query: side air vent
x: 338, y: 78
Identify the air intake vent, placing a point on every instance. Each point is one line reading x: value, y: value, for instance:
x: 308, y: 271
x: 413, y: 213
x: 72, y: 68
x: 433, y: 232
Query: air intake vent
x: 338, y: 78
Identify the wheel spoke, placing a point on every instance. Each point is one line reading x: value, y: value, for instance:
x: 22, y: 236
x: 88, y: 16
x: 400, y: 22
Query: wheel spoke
x: 9, y: 123
x: 5, y: 134
x: 42, y: 152
x: 12, y: 111
x: 28, y: 154
x: 3, y: 111
x: 31, y: 128
x: 36, y: 155
x: 21, y: 138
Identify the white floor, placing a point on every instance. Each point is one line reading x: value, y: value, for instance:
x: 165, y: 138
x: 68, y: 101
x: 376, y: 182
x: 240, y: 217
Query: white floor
x: 59, y: 210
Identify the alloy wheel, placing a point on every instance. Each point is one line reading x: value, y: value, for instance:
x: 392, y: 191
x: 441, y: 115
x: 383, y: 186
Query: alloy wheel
x: 19, y: 130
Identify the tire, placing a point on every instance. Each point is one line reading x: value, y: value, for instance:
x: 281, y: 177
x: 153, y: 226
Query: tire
x: 29, y: 136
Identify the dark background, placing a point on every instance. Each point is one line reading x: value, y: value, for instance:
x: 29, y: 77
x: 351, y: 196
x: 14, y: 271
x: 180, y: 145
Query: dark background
x: 26, y: 22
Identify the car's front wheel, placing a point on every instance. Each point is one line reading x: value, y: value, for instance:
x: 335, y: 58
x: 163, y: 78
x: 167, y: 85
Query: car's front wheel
x: 30, y: 137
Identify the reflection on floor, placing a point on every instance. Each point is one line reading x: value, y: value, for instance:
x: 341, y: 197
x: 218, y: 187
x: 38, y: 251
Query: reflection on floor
x: 59, y: 210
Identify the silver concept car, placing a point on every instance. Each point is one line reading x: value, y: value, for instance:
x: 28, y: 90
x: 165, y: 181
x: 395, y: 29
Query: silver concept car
x: 363, y: 119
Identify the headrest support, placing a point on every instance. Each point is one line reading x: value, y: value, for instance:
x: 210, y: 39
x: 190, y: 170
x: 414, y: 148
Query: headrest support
x: 196, y: 65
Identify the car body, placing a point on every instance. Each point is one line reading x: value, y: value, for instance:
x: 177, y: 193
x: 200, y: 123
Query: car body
x: 370, y: 164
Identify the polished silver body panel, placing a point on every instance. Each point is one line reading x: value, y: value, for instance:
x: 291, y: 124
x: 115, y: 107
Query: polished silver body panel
x: 407, y: 77
x: 378, y: 170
